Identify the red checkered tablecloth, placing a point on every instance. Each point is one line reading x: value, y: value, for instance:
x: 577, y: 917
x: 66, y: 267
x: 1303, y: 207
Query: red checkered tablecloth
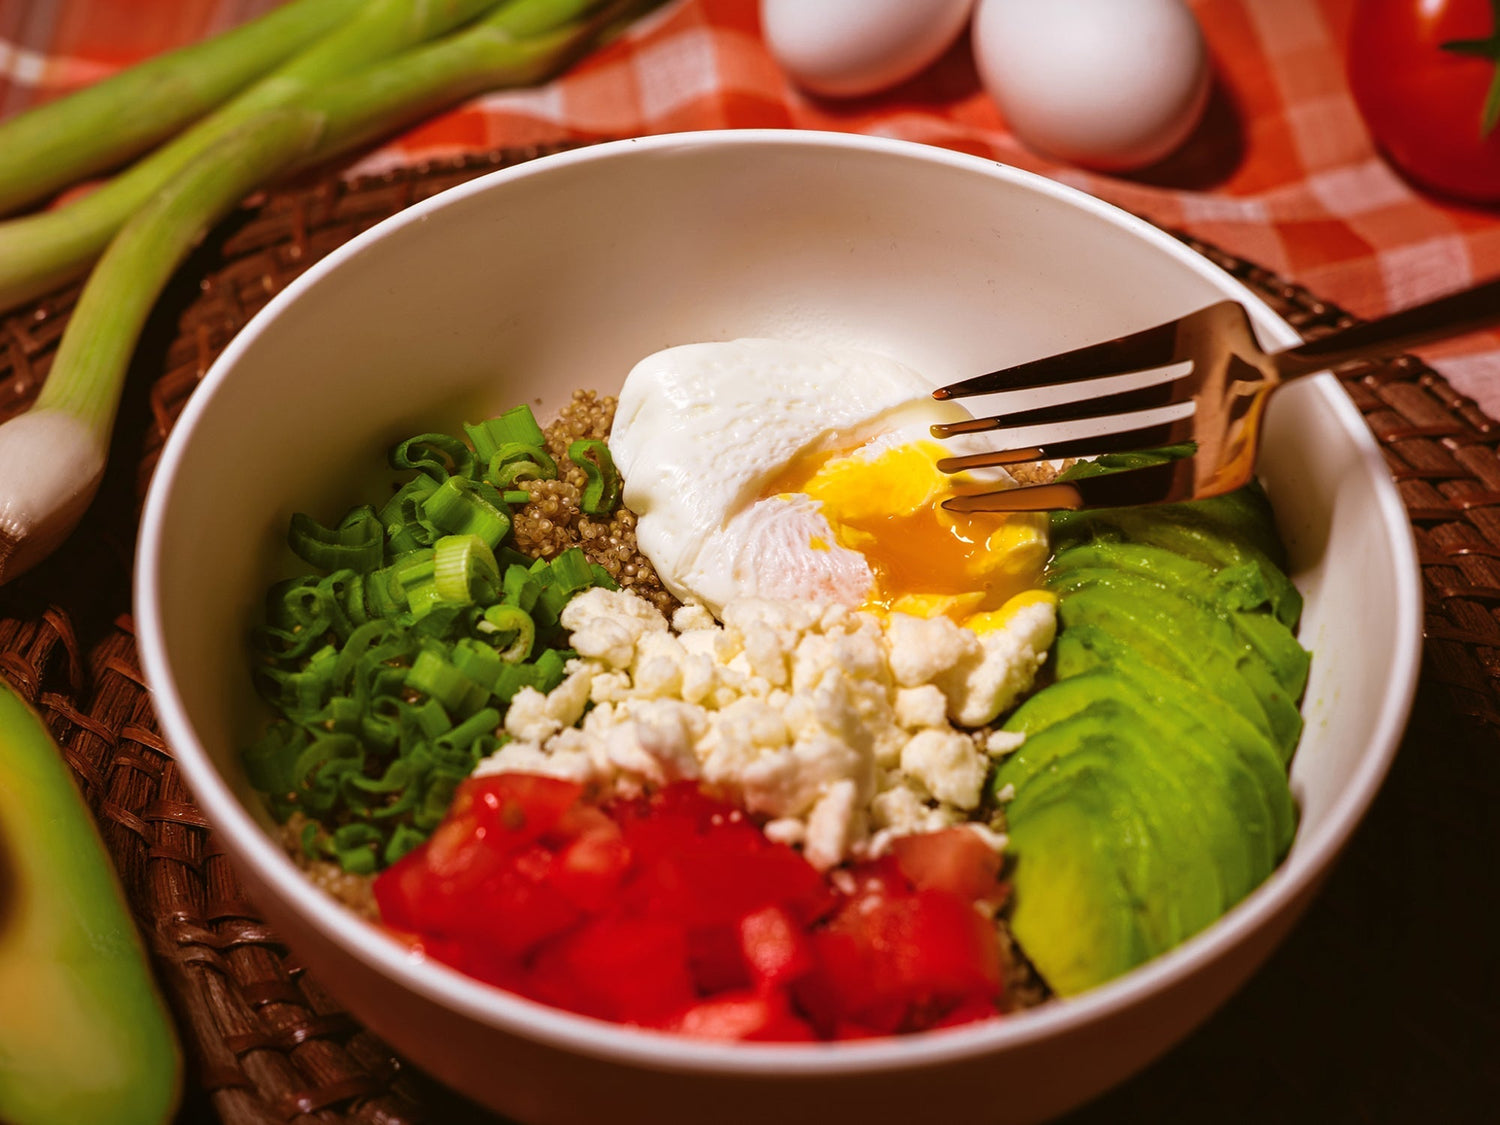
x: 1282, y: 172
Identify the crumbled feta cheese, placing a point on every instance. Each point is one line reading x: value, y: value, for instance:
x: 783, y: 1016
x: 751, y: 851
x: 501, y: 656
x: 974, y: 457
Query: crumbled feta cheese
x: 998, y: 743
x: 947, y: 765
x: 840, y: 727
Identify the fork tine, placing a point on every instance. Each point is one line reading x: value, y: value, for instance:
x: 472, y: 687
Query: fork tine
x: 1172, y: 392
x: 1123, y: 441
x: 1153, y: 484
x: 1139, y: 351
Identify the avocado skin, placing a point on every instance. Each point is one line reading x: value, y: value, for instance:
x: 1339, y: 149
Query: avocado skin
x: 1167, y: 731
x: 84, y: 1035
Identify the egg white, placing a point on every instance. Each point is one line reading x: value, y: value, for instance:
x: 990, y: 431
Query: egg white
x: 702, y: 430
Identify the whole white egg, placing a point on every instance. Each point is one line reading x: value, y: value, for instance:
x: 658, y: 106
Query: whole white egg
x: 849, y: 48
x: 1107, y: 84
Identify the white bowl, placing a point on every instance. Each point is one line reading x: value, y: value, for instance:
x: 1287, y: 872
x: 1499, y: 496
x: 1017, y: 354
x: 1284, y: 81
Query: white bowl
x: 565, y: 271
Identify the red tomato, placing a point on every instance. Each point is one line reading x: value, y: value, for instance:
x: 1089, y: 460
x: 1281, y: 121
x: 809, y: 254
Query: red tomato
x: 628, y: 969
x: 955, y: 860
x: 745, y: 1015
x: 676, y: 911
x: 1423, y: 98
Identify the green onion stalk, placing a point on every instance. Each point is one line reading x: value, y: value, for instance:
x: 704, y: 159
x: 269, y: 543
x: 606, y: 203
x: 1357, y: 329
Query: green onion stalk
x: 41, y: 251
x: 52, y: 458
x: 65, y: 141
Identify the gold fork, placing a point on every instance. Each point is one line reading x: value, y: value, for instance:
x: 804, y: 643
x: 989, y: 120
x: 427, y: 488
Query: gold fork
x: 1228, y: 382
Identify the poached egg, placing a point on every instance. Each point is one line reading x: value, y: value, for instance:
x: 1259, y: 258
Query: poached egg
x: 782, y: 470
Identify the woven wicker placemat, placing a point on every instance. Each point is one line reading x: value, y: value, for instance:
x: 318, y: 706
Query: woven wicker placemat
x: 1375, y: 1010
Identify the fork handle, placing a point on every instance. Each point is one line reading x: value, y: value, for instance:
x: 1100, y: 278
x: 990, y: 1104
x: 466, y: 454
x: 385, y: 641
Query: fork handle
x: 1456, y: 314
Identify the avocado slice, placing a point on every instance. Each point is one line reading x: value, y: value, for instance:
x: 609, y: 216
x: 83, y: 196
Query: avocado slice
x: 1234, y: 589
x: 1251, y: 763
x: 1209, y: 786
x: 1196, y: 537
x: 1178, y: 882
x: 1167, y: 630
x: 84, y: 1037
x: 1073, y: 910
x: 1202, y: 621
x: 1244, y: 514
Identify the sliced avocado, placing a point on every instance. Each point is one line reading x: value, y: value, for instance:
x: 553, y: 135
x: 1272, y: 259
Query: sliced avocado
x: 84, y: 1037
x: 1260, y: 632
x: 1205, y: 787
x: 1203, y: 540
x: 1253, y: 692
x: 1244, y: 514
x: 1232, y: 588
x: 1274, y: 705
x: 1252, y: 762
x: 1220, y: 658
x: 1177, y: 879
x: 1073, y: 910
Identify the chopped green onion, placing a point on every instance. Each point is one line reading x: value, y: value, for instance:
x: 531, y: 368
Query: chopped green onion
x: 436, y: 676
x: 463, y: 569
x: 392, y: 681
x: 515, y: 426
x: 512, y: 624
x: 515, y: 461
x: 570, y: 571
x: 439, y: 456
x: 601, y: 493
x: 458, y: 507
x: 357, y: 543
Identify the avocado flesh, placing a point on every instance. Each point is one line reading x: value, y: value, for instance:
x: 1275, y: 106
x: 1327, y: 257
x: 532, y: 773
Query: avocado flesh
x: 84, y: 1036
x: 1254, y: 693
x: 1176, y: 630
x: 1072, y: 910
x: 1173, y: 875
x: 1201, y: 714
x: 1210, y: 792
x: 1200, y: 540
x: 1273, y: 641
x: 1166, y: 627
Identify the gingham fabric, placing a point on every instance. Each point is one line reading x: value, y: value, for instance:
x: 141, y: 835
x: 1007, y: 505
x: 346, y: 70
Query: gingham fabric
x: 1282, y: 172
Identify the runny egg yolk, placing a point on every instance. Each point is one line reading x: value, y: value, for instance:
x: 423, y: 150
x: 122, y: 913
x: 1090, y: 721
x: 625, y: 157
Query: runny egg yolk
x: 926, y: 560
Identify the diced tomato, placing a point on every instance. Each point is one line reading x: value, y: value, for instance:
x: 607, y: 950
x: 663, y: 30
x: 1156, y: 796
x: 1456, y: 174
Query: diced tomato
x: 590, y: 868
x: 774, y: 946
x: 712, y: 885
x: 762, y: 1016
x: 515, y: 809
x: 674, y: 910
x: 629, y: 969
x: 893, y: 961
x: 716, y: 960
x: 955, y: 860
x: 517, y: 911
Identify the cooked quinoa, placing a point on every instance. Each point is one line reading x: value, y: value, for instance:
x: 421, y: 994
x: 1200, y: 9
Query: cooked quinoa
x: 354, y: 891
x: 553, y: 522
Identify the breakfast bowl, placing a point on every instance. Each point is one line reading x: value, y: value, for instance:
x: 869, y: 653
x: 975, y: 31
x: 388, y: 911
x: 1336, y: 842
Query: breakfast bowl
x: 563, y: 273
